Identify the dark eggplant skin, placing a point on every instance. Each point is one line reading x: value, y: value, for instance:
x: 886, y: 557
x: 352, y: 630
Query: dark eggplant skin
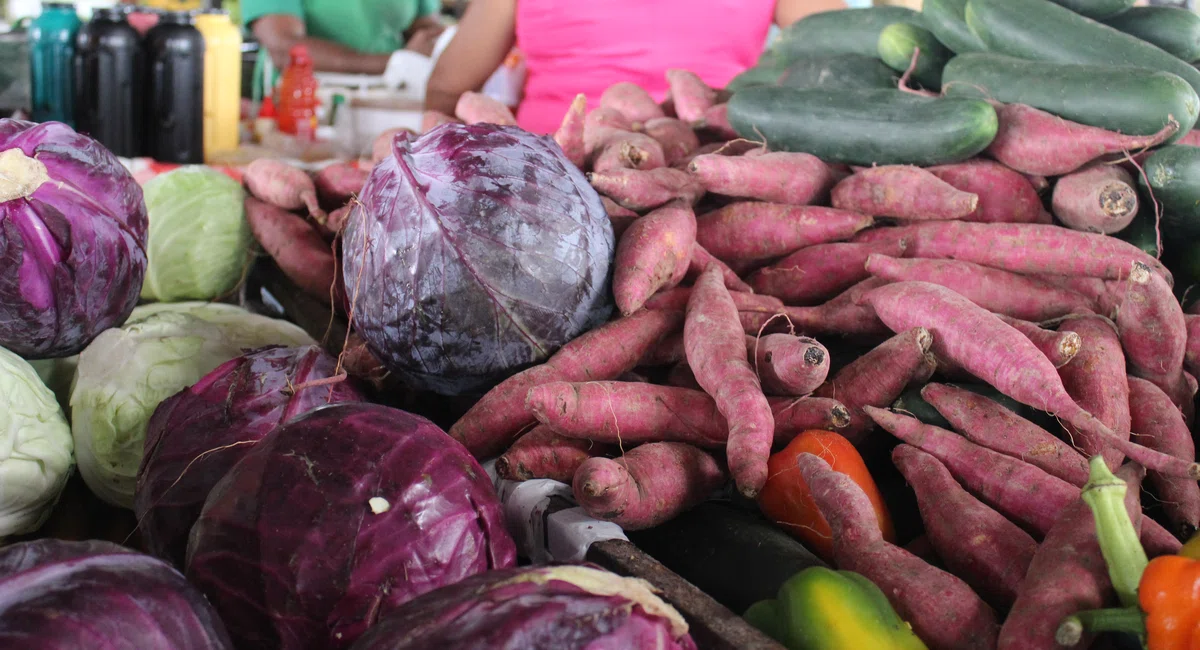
x: 732, y: 554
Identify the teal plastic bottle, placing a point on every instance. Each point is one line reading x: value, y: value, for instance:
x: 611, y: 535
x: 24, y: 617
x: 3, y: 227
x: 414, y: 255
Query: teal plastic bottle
x: 51, y: 48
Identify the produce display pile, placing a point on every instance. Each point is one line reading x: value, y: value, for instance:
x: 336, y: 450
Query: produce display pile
x: 916, y: 288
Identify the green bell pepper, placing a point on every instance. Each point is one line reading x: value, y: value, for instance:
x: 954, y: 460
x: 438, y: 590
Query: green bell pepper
x: 823, y: 609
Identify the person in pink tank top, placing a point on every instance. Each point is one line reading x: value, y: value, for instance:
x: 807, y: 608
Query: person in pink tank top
x: 585, y: 46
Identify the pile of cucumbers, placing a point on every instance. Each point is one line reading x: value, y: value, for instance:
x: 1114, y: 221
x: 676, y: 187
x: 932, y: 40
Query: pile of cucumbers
x: 830, y: 86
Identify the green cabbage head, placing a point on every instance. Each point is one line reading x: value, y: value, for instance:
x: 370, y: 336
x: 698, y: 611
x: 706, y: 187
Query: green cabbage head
x: 199, y: 242
x: 35, y: 448
x: 127, y: 371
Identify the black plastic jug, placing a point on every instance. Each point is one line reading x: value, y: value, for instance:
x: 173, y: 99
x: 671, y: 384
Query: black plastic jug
x: 109, y: 65
x: 174, y: 128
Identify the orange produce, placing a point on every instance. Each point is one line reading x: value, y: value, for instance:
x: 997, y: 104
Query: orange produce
x: 786, y: 500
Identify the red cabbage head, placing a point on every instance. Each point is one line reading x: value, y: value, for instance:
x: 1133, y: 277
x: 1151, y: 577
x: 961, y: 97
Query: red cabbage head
x: 477, y: 250
x: 60, y: 595
x: 535, y: 608
x: 335, y: 519
x: 197, y: 434
x: 72, y: 239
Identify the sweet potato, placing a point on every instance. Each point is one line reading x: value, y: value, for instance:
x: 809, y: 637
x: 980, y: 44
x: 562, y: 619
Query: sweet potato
x: 1191, y: 358
x: 667, y: 352
x: 569, y: 135
x: 336, y: 221
x: 1153, y: 331
x: 681, y: 376
x: 277, y: 183
x: 599, y: 126
x: 654, y: 253
x: 541, y: 453
x: 676, y: 299
x: 626, y: 150
x: 647, y: 486
x: 902, y: 192
x: 878, y: 377
x: 1059, y: 347
x: 338, y: 183
x: 716, y: 121
x: 430, y: 120
x: 1067, y: 575
x: 1100, y: 198
x: 995, y: 290
x: 701, y: 258
x: 991, y: 425
x: 1004, y: 195
x: 705, y: 149
x: 384, y: 143
x: 601, y: 354
x: 842, y: 315
x: 752, y: 230
x: 716, y: 352
x: 781, y: 177
x: 295, y: 246
x: 976, y: 543
x: 677, y: 139
x: 988, y: 348
x: 819, y: 272
x: 1018, y: 490
x: 625, y: 413
x: 1096, y: 381
x: 941, y: 608
x: 476, y: 108
x: 1029, y: 248
x: 1159, y: 425
x: 1033, y: 141
x: 620, y: 217
x: 632, y: 101
x: 788, y: 365
x: 795, y: 415
x: 692, y: 96
x: 359, y: 362
x: 646, y: 189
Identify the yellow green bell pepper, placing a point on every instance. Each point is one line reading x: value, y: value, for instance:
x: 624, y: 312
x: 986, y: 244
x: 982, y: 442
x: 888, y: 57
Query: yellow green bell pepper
x: 823, y: 609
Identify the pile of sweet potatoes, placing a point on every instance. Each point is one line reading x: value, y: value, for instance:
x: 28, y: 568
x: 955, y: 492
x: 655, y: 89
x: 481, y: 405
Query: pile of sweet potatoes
x: 739, y: 274
x: 743, y: 276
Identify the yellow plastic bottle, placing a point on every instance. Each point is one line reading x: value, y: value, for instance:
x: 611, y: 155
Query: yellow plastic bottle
x: 222, y: 82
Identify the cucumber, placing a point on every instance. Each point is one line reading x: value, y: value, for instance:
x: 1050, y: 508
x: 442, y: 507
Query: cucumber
x: 1183, y: 259
x: 1044, y: 31
x: 1173, y: 29
x: 1096, y: 9
x: 756, y: 76
x: 1140, y: 232
x: 864, y: 127
x: 841, y: 31
x: 1136, y: 101
x: 1174, y: 175
x: 945, y: 19
x: 843, y: 71
x: 898, y: 41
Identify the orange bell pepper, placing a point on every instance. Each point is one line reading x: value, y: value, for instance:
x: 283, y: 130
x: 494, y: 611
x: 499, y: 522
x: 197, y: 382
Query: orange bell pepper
x: 786, y: 500
x: 1169, y: 594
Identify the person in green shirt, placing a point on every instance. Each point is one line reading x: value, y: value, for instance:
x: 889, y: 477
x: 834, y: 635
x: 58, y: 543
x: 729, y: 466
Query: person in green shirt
x: 393, y: 38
